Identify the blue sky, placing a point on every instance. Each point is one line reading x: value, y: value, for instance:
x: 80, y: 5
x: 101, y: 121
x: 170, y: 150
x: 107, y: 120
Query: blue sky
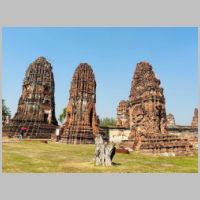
x: 113, y: 54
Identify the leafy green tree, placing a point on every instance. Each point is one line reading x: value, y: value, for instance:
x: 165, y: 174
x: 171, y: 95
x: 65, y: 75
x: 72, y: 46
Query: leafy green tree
x: 5, y: 110
x: 108, y: 122
x: 62, y: 115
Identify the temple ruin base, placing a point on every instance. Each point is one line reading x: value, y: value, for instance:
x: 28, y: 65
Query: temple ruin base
x: 81, y: 136
x: 39, y: 130
x: 162, y: 144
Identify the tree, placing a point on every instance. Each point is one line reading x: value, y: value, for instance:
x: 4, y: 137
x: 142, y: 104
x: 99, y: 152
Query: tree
x: 104, y: 152
x: 5, y: 110
x: 62, y: 115
x: 108, y: 122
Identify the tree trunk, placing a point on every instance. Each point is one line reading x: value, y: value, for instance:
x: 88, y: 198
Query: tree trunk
x: 104, y: 152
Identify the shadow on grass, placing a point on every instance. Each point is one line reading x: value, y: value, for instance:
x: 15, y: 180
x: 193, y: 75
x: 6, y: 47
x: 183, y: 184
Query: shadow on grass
x: 116, y: 164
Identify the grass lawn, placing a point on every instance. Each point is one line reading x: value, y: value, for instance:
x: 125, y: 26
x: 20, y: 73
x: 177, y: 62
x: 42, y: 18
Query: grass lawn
x: 39, y: 157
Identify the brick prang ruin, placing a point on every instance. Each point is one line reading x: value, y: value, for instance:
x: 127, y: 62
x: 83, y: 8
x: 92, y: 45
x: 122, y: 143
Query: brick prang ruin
x: 82, y: 123
x: 147, y: 102
x: 147, y: 117
x: 195, y: 118
x: 123, y: 114
x: 36, y: 106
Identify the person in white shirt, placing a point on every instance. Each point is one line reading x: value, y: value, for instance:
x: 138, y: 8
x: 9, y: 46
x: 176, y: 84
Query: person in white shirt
x: 57, y: 134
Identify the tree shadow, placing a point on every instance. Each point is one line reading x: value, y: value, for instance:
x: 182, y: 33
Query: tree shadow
x: 116, y: 164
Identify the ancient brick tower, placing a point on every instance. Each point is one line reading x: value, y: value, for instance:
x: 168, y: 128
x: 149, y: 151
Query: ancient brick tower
x: 36, y: 107
x: 81, y: 123
x: 195, y: 118
x: 147, y: 102
x: 123, y: 114
x: 147, y: 117
x: 171, y: 120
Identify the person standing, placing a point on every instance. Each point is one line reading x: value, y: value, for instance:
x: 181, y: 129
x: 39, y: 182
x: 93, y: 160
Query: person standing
x: 57, y: 134
x: 22, y: 132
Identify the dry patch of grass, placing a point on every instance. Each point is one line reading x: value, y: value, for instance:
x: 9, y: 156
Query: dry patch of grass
x: 37, y: 157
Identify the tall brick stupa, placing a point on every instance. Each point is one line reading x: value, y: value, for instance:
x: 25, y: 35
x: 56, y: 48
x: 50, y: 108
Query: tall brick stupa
x: 81, y: 123
x: 36, y: 106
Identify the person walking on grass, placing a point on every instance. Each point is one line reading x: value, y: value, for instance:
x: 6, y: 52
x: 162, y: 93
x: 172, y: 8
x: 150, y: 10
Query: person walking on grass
x: 57, y: 135
x: 22, y: 132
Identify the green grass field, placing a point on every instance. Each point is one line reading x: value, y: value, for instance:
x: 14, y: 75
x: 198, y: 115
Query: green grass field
x: 37, y: 157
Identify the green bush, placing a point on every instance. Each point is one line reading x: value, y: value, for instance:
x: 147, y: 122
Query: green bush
x: 108, y: 122
x: 62, y: 115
